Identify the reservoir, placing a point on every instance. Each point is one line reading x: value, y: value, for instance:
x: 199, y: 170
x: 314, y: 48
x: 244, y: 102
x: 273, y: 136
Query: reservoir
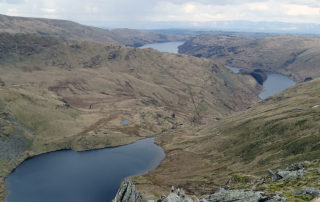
x: 274, y: 84
x: 90, y: 176
x: 169, y: 47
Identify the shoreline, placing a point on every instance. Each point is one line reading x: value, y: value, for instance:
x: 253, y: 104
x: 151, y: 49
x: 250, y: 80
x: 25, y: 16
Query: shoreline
x: 3, y: 188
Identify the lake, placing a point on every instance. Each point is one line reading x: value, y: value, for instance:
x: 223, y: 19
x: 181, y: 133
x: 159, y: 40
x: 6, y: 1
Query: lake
x: 90, y: 176
x: 169, y: 47
x: 274, y: 84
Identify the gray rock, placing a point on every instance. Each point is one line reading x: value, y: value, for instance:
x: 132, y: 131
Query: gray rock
x: 241, y: 195
x: 309, y: 191
x: 174, y: 197
x: 178, y: 196
x: 274, y: 177
x: 295, y: 171
x: 296, y: 166
x: 128, y: 193
x: 286, y: 174
x: 235, y: 195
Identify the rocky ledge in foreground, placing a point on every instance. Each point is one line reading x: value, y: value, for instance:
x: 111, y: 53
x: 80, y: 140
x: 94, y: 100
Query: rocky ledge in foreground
x: 298, y: 182
x: 128, y: 193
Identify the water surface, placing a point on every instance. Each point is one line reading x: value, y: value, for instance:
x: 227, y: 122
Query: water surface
x: 169, y: 47
x: 274, y: 84
x: 91, y: 176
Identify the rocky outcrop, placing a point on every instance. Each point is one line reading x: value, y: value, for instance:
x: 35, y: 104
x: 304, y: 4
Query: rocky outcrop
x: 309, y: 191
x: 293, y: 172
x: 241, y: 195
x: 128, y: 193
x: 254, y: 189
x: 178, y: 196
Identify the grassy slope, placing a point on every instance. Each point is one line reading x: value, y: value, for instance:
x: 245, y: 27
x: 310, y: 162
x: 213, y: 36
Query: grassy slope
x: 286, y: 54
x: 68, y: 30
x: 87, y: 89
x: 277, y: 132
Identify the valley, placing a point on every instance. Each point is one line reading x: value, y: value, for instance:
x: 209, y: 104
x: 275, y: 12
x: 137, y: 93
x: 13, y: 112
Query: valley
x: 66, y: 95
x: 295, y: 56
x: 66, y: 86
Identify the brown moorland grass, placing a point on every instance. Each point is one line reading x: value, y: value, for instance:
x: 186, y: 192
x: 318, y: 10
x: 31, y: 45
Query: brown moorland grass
x: 277, y: 132
x: 295, y: 56
x: 69, y: 95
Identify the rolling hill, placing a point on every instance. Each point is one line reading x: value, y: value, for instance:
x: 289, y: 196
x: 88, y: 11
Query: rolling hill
x: 295, y: 56
x: 277, y: 132
x: 68, y: 30
x: 57, y: 94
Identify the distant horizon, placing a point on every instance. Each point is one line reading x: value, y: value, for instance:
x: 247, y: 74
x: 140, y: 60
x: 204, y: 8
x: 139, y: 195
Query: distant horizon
x: 237, y: 26
x: 284, y: 16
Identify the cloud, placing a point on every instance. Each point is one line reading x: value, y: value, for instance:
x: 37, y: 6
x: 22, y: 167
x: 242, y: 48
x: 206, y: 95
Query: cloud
x: 125, y: 13
x: 301, y: 10
x: 189, y: 8
x: 48, y: 10
x: 259, y: 6
x: 12, y: 1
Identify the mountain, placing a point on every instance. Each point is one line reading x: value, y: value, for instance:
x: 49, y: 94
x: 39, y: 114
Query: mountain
x: 277, y: 132
x: 235, y: 26
x: 295, y: 56
x: 57, y: 94
x: 67, y: 30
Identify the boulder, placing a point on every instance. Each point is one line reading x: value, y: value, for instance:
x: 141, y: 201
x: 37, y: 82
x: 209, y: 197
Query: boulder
x: 309, y: 191
x: 178, y: 196
x: 128, y: 193
x: 295, y: 171
x: 241, y: 195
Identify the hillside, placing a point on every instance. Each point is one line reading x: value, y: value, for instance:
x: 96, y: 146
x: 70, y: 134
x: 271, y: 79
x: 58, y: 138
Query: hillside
x: 60, y: 95
x: 67, y: 30
x: 277, y: 132
x: 295, y: 56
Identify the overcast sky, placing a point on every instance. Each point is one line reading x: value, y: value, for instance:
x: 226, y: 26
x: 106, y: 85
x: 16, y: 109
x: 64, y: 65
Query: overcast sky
x: 135, y: 13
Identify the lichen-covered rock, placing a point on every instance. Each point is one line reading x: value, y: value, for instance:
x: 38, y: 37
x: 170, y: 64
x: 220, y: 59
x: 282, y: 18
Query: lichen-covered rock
x: 293, y: 172
x: 309, y: 191
x: 128, y: 193
x: 178, y: 196
x: 240, y: 195
x: 285, y: 174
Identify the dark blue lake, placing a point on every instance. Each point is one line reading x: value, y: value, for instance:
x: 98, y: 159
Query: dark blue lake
x: 90, y: 176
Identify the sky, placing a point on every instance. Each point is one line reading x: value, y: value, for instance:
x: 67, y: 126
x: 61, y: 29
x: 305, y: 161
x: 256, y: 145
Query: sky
x: 143, y: 13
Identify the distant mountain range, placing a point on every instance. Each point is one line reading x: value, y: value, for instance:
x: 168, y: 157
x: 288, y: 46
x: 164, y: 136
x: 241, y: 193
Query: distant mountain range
x: 68, y: 30
x: 235, y: 26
